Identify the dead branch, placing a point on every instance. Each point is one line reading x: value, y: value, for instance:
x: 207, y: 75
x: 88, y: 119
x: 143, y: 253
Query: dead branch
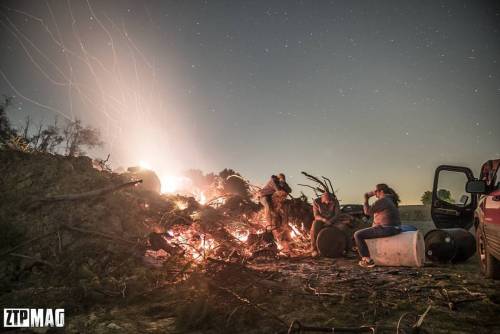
x: 103, y: 163
x: 27, y: 242
x: 318, y: 293
x: 248, y: 302
x: 325, y: 183
x: 88, y: 194
x: 422, y: 317
x: 183, y: 270
x: 99, y: 234
x: 474, y: 294
x: 317, y: 180
x: 327, y: 180
x: 36, y: 259
x: 315, y: 189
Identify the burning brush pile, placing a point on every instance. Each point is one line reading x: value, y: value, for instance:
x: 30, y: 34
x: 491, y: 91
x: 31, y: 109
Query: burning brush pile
x: 71, y: 229
x: 230, y: 226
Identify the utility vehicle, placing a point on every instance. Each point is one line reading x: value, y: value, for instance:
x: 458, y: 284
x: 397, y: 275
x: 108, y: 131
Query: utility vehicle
x: 480, y: 210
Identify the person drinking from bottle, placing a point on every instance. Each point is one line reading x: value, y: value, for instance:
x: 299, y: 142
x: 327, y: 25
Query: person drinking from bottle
x: 386, y: 220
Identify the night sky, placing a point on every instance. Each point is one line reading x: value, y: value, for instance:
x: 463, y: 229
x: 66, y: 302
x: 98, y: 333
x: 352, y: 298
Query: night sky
x: 361, y: 91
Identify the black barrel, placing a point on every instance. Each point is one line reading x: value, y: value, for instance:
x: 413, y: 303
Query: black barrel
x: 449, y: 245
x: 331, y: 242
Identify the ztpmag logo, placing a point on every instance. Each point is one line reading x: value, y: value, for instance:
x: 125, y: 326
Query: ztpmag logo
x: 33, y: 317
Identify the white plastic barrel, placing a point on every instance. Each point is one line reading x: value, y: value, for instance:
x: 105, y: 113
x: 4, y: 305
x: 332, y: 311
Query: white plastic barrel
x: 406, y: 249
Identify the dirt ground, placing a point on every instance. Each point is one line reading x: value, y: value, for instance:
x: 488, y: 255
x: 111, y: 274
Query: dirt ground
x: 266, y: 297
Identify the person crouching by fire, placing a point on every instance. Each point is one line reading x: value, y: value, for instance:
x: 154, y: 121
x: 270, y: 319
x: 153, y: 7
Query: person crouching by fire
x: 276, y: 183
x: 386, y: 220
x: 325, y: 208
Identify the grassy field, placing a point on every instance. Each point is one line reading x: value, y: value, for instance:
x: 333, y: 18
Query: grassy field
x: 415, y: 212
x: 423, y: 225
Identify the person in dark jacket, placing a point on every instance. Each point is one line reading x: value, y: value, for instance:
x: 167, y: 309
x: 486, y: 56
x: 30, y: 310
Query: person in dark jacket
x: 276, y: 183
x: 386, y: 220
x: 325, y: 208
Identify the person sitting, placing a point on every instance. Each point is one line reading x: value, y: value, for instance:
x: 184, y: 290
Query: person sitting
x: 386, y: 220
x: 325, y: 208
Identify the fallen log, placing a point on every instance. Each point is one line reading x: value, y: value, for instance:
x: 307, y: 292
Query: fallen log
x: 88, y: 194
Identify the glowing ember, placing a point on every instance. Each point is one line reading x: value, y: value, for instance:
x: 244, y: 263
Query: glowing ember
x: 294, y: 232
x: 241, y: 235
x: 195, y: 245
x: 181, y: 205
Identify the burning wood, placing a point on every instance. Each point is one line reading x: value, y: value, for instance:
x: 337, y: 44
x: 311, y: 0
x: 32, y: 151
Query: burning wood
x: 233, y: 230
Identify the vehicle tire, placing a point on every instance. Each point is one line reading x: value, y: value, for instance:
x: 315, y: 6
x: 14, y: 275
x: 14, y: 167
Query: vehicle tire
x: 490, y: 266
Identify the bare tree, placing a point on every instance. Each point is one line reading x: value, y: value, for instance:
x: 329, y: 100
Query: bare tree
x: 25, y: 129
x: 35, y: 139
x: 42, y: 139
x: 49, y: 138
x: 73, y: 136
x: 76, y: 136
x: 6, y: 130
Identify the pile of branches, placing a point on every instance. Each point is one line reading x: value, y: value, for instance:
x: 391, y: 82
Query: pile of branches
x: 72, y: 226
